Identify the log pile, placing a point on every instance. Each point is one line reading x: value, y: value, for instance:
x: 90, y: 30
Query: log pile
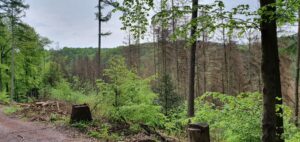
x: 43, y: 111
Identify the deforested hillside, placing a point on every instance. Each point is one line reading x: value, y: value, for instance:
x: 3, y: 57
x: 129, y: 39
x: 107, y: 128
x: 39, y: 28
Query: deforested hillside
x: 239, y: 72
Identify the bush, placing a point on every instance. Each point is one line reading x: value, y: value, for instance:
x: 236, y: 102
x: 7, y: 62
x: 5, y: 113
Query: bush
x: 233, y: 119
x: 4, y: 98
x: 63, y: 91
x: 236, y: 119
x: 168, y: 98
x: 11, y: 109
x: 128, y: 97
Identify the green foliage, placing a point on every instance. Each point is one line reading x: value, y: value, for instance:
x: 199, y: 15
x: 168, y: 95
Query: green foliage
x: 124, y: 97
x: 13, y: 9
x: 28, y: 59
x: 176, y: 123
x: 11, y: 109
x: 52, y: 74
x: 231, y: 118
x: 135, y: 15
x: 103, y: 133
x: 291, y: 132
x: 237, y: 118
x: 82, y: 126
x: 127, y: 96
x: 54, y: 117
x: 4, y: 98
x: 168, y: 98
x: 63, y: 91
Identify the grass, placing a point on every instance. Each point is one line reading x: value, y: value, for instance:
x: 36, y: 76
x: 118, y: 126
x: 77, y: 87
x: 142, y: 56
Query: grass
x: 11, y: 109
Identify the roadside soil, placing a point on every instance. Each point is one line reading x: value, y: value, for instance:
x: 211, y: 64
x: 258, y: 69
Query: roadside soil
x: 17, y: 130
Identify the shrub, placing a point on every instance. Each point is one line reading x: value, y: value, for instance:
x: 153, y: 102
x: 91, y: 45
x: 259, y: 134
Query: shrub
x: 127, y: 96
x: 238, y: 118
x: 168, y: 98
x: 231, y: 118
x: 11, y: 109
x: 63, y: 91
x: 4, y: 98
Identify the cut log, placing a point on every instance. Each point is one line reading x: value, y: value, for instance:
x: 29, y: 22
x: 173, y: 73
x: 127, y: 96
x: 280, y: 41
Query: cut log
x: 42, y: 104
x: 57, y: 105
x: 198, y: 132
x: 81, y: 113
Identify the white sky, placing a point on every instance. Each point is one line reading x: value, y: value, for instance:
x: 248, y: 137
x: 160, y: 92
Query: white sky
x: 72, y: 23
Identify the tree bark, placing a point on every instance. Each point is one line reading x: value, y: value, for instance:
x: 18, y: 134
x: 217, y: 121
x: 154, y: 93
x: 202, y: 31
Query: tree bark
x: 272, y: 123
x: 80, y: 113
x: 198, y: 133
x: 12, y: 89
x: 192, y: 61
x: 204, y: 61
x: 99, y: 39
x: 1, y: 62
x: 225, y: 79
x: 176, y: 49
x: 297, y: 77
x: 250, y: 60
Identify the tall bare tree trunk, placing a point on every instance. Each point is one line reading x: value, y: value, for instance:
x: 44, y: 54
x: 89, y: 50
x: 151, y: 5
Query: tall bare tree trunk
x: 1, y: 62
x: 176, y: 48
x: 225, y: 69
x: 297, y: 76
x: 139, y: 52
x: 164, y: 51
x: 154, y: 51
x: 259, y: 83
x: 272, y: 121
x: 99, y: 39
x: 12, y: 95
x: 250, y: 61
x: 204, y: 61
x: 191, y: 97
x: 130, y: 51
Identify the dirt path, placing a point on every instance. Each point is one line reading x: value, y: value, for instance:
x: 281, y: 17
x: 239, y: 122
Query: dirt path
x: 15, y: 130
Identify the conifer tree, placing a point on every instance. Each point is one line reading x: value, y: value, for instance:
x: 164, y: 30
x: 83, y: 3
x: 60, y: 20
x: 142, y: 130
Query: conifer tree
x: 101, y: 18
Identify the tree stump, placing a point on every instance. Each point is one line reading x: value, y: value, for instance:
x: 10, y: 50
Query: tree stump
x: 198, y: 132
x: 81, y: 113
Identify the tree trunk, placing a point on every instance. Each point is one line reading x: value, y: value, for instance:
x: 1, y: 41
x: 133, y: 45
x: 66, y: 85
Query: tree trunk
x: 259, y: 83
x: 1, y: 62
x: 139, y: 54
x: 154, y: 54
x: 176, y: 48
x: 297, y: 77
x: 198, y: 133
x: 272, y: 123
x: 249, y: 61
x: 192, y: 61
x: 80, y: 113
x: 204, y: 61
x: 99, y: 39
x: 12, y: 89
x: 225, y: 79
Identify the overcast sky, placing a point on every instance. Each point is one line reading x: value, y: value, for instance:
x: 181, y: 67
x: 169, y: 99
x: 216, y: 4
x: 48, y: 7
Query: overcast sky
x: 72, y: 23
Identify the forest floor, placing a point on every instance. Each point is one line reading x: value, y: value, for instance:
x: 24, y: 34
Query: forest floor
x: 13, y: 129
x: 49, y: 122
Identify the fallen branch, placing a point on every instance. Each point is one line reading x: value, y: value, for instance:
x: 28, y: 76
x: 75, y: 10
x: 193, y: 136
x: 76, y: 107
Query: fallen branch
x: 150, y: 131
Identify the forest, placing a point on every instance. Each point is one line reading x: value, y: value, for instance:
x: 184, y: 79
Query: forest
x: 208, y: 72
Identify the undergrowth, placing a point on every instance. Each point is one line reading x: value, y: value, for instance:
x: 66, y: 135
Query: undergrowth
x: 8, y: 110
x: 126, y: 98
